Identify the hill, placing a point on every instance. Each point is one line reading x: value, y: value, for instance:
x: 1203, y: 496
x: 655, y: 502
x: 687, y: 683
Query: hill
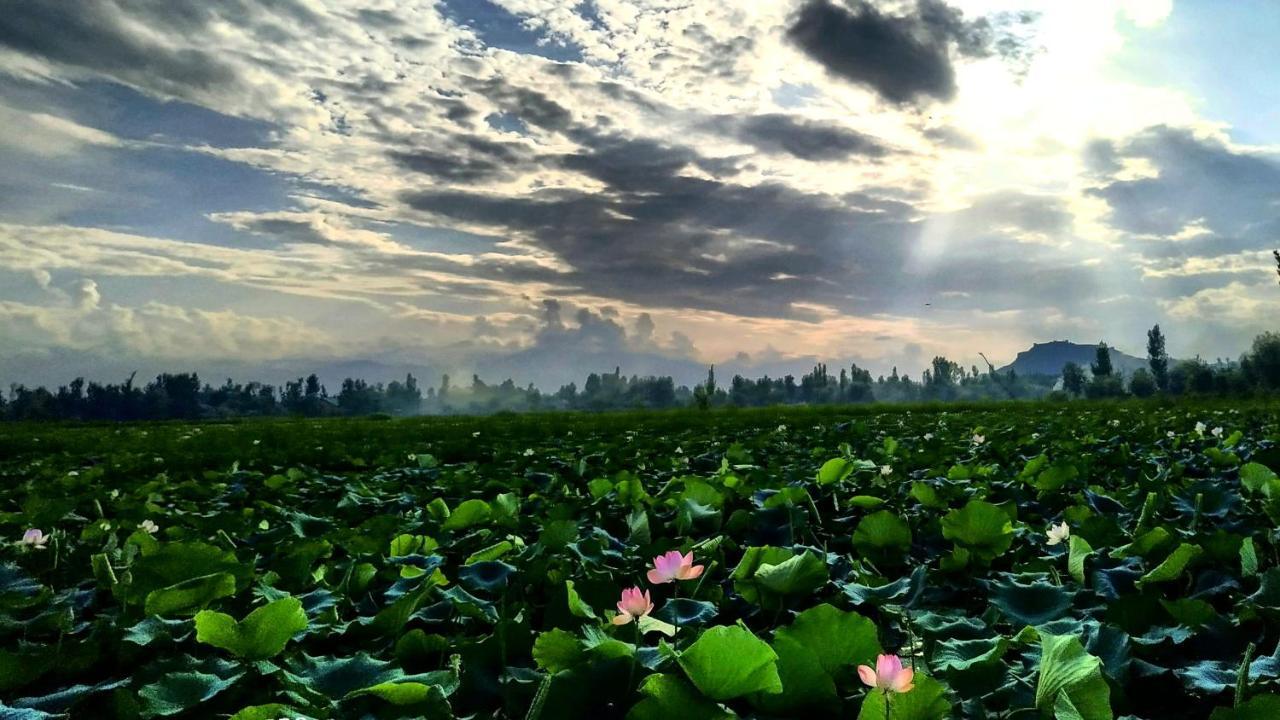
x: 1048, y: 358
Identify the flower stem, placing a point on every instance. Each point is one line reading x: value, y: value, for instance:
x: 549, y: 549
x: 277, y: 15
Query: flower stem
x: 635, y: 660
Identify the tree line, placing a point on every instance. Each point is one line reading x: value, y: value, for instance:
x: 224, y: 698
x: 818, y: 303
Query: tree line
x: 1257, y: 371
x: 183, y: 396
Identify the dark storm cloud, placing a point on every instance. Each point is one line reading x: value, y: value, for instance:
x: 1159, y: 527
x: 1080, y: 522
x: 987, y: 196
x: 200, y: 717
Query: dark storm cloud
x: 96, y: 36
x: 468, y: 159
x: 1235, y: 195
x: 905, y: 58
x: 805, y: 139
x: 530, y: 106
x: 658, y: 235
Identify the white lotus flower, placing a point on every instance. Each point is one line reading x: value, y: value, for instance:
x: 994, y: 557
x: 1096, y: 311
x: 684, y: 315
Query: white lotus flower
x: 1216, y: 432
x: 886, y: 470
x: 149, y: 527
x: 1200, y: 428
x: 978, y: 439
x: 34, y: 538
x: 1058, y: 533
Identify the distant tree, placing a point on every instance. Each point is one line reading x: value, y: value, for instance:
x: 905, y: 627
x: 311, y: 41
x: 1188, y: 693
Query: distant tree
x: 1193, y: 377
x: 1142, y: 384
x: 1101, y: 366
x: 1157, y: 358
x: 1073, y: 379
x: 1262, y: 362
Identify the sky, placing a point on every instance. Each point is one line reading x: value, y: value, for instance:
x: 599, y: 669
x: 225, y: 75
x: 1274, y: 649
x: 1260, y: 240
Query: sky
x: 539, y: 188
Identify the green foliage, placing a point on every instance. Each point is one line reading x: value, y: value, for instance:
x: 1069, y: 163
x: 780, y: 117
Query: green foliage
x: 981, y: 528
x: 262, y: 634
x: 1070, y: 682
x: 411, y: 568
x: 727, y: 662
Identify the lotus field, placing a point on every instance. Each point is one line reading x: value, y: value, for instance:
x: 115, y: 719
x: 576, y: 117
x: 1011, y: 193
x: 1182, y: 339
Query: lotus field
x: 1071, y: 561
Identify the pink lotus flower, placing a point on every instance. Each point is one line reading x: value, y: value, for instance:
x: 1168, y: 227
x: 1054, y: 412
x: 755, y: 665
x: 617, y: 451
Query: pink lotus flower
x: 674, y: 566
x: 34, y: 538
x: 889, y: 675
x: 633, y: 606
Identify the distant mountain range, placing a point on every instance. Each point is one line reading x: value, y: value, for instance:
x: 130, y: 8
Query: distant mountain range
x: 1048, y: 359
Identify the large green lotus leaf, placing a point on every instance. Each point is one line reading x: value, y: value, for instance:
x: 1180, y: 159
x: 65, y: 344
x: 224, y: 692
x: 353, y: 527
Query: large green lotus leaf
x: 951, y: 625
x: 336, y: 677
x: 805, y: 683
x: 1054, y: 477
x: 882, y: 534
x: 1078, y: 551
x: 557, y: 650
x: 904, y: 591
x: 11, y: 713
x: 577, y: 607
x: 959, y: 655
x: 1030, y: 599
x: 274, y: 711
x: 1256, y: 477
x: 1268, y: 593
x: 727, y: 662
x: 190, y: 595
x: 18, y: 589
x: 1259, y: 707
x: 168, y: 564
x: 1171, y: 568
x: 154, y: 628
x: 981, y: 527
x: 1211, y: 677
x: 262, y: 634
x: 63, y: 700
x: 799, y: 575
x: 1066, y: 668
x: 467, y: 604
x: 412, y: 545
x: 668, y: 697
x: 490, y: 553
x: 468, y: 514
x: 25, y: 665
x: 926, y: 701
x: 410, y: 693
x: 1144, y: 544
x: 684, y: 612
x: 753, y: 558
x: 835, y: 470
x: 180, y: 691
x: 1248, y: 558
x: 486, y: 576
x: 838, y: 639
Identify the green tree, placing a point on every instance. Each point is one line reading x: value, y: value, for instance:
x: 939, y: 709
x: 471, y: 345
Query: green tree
x: 1102, y: 364
x: 1073, y: 378
x: 1262, y: 362
x: 1157, y: 358
x: 1142, y: 384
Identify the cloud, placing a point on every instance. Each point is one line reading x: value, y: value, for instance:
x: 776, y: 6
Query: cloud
x: 154, y: 331
x: 1233, y: 192
x: 905, y: 58
x: 802, y: 138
